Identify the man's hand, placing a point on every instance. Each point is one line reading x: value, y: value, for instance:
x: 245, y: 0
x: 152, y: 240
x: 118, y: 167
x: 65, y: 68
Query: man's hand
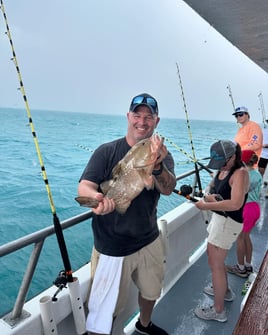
x: 158, y: 146
x: 105, y: 206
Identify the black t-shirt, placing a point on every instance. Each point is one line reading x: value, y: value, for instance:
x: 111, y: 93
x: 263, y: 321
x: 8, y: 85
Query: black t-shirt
x: 116, y: 234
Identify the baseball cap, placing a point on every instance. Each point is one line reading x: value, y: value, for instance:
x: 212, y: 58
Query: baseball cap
x: 247, y: 155
x: 242, y: 109
x: 146, y: 100
x: 220, y: 152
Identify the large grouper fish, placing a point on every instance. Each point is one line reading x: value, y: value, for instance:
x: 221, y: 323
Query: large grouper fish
x: 131, y: 175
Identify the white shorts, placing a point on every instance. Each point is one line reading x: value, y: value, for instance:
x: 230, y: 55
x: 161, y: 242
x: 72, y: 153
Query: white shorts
x: 222, y: 231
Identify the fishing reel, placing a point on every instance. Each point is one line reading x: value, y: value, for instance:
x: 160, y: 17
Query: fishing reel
x: 186, y: 191
x: 60, y: 282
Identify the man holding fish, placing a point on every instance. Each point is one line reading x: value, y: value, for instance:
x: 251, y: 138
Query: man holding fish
x: 122, y: 183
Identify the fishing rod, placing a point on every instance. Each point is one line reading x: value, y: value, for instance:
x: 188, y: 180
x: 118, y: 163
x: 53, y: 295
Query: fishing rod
x: 186, y: 191
x: 231, y: 96
x: 56, y: 221
x: 61, y: 280
x: 262, y: 110
x: 190, y: 133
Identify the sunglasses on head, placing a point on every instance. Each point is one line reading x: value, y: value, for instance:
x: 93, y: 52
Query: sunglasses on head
x: 239, y: 114
x: 140, y: 99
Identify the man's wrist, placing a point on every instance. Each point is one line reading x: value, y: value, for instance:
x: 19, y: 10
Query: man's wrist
x: 157, y: 172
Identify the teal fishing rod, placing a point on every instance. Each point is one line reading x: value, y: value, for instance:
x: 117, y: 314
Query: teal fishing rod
x: 56, y: 221
x: 190, y: 134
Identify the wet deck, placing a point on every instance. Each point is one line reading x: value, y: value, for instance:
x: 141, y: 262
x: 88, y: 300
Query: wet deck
x: 175, y: 312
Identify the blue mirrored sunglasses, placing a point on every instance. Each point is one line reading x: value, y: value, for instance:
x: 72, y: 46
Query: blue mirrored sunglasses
x: 140, y: 99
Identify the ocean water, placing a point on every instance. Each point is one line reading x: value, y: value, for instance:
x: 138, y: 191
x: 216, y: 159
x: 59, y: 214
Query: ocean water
x: 66, y: 141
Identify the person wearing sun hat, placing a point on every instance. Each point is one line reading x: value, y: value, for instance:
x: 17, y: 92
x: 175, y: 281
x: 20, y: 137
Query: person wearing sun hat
x: 251, y: 214
x: 228, y: 193
x: 249, y: 135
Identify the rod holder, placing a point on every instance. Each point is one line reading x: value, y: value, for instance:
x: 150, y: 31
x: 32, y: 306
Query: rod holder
x: 47, y: 317
x: 77, y: 306
x: 162, y: 225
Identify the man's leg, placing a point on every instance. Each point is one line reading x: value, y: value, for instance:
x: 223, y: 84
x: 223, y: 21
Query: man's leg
x: 146, y: 309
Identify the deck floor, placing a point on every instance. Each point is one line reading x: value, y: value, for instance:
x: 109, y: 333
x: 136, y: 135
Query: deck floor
x: 175, y: 312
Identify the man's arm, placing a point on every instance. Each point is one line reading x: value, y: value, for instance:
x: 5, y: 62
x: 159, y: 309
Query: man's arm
x: 164, y: 180
x: 256, y: 138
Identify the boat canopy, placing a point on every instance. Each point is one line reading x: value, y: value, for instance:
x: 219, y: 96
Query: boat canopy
x: 243, y: 22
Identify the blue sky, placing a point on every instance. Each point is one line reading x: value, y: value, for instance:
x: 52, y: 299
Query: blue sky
x: 93, y: 56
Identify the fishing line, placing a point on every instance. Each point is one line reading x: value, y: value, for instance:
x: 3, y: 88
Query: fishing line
x: 57, y: 225
x: 190, y: 133
x: 176, y: 146
x: 84, y: 147
x: 186, y: 154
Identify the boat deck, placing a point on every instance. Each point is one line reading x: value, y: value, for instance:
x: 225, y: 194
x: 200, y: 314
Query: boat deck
x: 175, y: 312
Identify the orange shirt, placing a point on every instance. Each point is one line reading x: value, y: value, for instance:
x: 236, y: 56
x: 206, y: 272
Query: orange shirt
x: 250, y: 137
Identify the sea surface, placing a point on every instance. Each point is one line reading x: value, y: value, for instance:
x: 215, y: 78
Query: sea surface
x: 66, y: 141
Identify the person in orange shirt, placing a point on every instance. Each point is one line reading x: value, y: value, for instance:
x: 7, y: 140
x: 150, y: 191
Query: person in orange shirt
x: 249, y: 135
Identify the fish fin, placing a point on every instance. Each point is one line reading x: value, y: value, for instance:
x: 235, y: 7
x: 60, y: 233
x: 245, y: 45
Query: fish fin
x: 149, y: 183
x: 117, y: 169
x: 87, y: 202
x: 106, y: 185
x: 121, y: 209
x: 148, y: 180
